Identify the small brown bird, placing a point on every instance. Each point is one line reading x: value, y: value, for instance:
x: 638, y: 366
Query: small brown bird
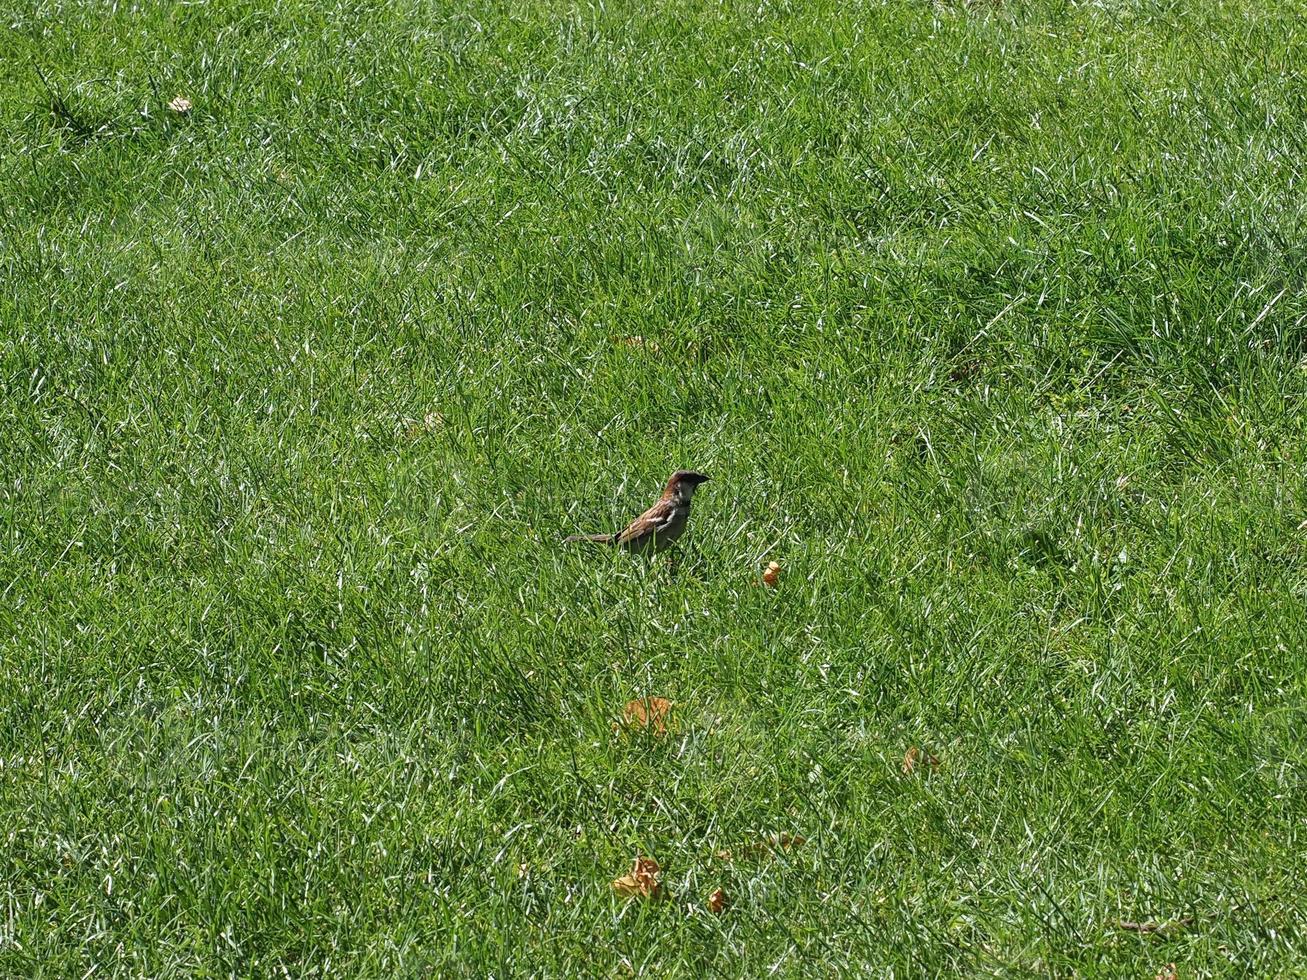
x: 661, y: 524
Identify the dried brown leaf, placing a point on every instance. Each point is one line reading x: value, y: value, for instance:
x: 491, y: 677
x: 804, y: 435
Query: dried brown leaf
x: 772, y: 575
x: 915, y: 757
x: 641, y: 881
x: 654, y: 713
x: 965, y: 370
x: 717, y: 902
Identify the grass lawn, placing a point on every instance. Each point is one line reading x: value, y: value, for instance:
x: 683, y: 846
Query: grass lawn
x: 987, y: 321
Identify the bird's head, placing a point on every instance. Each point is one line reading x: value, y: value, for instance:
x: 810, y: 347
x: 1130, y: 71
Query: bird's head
x: 684, y: 482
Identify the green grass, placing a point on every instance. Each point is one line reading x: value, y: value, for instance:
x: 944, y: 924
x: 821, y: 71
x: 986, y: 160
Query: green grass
x: 987, y: 321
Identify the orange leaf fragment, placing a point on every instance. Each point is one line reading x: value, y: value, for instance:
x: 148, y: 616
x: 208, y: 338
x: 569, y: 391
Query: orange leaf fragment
x: 772, y: 575
x: 717, y: 902
x: 641, y: 881
x: 915, y: 757
x: 652, y: 713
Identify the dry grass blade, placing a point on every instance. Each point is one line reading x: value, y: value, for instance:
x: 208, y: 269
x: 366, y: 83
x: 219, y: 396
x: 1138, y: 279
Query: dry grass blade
x: 773, y: 844
x: 1150, y: 927
x: 415, y: 429
x: 637, y: 342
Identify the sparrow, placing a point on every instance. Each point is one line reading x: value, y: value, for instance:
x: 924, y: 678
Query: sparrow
x: 661, y: 524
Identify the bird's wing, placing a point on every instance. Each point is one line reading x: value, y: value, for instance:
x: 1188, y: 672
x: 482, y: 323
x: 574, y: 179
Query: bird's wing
x: 652, y: 521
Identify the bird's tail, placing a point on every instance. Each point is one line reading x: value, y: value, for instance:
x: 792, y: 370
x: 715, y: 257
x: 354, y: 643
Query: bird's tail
x: 591, y: 538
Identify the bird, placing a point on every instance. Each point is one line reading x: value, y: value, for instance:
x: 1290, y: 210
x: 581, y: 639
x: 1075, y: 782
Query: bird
x: 661, y: 524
